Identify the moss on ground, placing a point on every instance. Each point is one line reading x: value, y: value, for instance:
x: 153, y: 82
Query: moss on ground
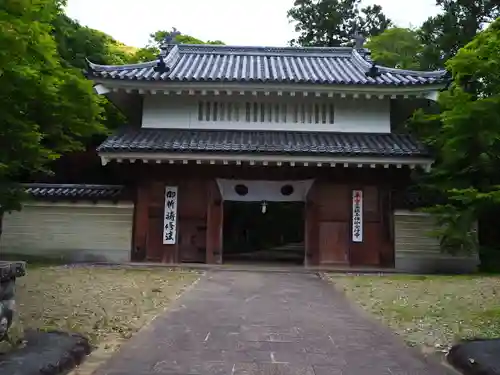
x: 430, y: 311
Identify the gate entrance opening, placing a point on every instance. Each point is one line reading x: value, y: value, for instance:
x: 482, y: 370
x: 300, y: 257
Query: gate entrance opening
x: 264, y: 232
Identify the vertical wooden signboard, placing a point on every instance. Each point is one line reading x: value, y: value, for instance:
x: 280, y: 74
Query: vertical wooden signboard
x: 170, y: 216
x: 357, y: 216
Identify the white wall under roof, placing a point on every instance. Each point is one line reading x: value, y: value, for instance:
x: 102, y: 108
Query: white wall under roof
x: 255, y: 113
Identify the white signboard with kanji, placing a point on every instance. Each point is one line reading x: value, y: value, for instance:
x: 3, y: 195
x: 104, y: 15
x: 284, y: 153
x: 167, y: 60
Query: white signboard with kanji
x: 170, y: 216
x: 357, y: 216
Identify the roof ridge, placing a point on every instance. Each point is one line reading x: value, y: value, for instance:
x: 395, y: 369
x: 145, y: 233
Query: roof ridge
x: 265, y: 51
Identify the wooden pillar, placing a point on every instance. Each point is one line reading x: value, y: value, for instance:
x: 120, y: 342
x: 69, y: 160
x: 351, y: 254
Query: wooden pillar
x: 141, y: 224
x: 312, y: 228
x: 214, y: 225
x: 311, y: 234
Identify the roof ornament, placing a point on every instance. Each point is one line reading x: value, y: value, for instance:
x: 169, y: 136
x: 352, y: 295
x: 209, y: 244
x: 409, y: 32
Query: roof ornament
x: 168, y: 41
x: 359, y: 40
x: 373, y: 72
x: 170, y: 38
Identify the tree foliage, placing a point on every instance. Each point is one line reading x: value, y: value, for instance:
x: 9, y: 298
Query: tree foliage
x: 47, y: 106
x: 466, y: 137
x: 335, y: 22
x: 460, y: 20
x: 396, y: 48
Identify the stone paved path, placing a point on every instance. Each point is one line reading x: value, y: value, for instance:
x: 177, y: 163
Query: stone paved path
x: 245, y: 323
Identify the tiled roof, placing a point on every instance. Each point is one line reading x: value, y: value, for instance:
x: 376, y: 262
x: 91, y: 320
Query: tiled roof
x: 313, y: 65
x: 73, y: 191
x: 266, y: 142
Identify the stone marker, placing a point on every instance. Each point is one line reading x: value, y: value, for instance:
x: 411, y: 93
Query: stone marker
x: 11, y: 332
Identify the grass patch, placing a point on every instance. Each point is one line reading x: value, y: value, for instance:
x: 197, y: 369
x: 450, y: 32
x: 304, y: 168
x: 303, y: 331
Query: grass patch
x: 430, y: 311
x: 107, y: 305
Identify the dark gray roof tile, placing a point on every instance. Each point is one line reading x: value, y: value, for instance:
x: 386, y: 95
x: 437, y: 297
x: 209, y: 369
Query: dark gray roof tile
x: 267, y: 142
x: 74, y: 191
x: 313, y: 65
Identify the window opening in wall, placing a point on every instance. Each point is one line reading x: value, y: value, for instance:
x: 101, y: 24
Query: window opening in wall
x: 207, y: 113
x: 200, y: 111
x: 215, y: 112
x: 258, y: 111
x: 229, y: 112
x: 247, y: 112
x: 222, y: 111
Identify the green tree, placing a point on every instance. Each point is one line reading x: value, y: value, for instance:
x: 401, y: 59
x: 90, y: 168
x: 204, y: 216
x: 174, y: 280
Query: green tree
x: 466, y: 138
x: 77, y: 43
x: 47, y: 108
x: 458, y: 23
x: 334, y: 22
x: 396, y: 48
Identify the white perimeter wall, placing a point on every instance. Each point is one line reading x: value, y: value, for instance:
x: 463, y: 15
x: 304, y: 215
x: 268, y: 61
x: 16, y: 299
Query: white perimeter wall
x: 417, y: 251
x: 350, y: 115
x: 73, y: 232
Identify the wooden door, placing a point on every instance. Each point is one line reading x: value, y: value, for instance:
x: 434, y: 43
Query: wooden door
x: 376, y: 246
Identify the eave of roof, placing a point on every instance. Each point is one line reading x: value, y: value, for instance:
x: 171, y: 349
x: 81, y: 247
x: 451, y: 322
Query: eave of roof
x: 222, y: 146
x: 289, y: 65
x: 268, y: 142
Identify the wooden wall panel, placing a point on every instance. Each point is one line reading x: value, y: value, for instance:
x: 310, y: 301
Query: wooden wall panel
x: 327, y: 223
x: 193, y: 198
x: 367, y: 253
x: 371, y: 204
x: 333, y: 202
x: 192, y: 240
x: 141, y: 225
x: 193, y: 205
x: 155, y: 250
x: 333, y: 242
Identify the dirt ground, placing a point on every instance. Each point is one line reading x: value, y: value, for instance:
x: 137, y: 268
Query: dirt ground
x: 107, y: 305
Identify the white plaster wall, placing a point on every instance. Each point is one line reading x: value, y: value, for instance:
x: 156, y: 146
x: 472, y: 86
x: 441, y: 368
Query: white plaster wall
x: 73, y: 232
x: 351, y: 115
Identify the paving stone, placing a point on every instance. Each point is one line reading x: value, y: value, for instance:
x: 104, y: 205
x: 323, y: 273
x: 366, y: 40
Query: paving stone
x: 271, y: 369
x: 249, y: 323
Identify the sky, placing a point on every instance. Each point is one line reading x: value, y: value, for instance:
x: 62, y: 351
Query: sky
x: 235, y: 22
